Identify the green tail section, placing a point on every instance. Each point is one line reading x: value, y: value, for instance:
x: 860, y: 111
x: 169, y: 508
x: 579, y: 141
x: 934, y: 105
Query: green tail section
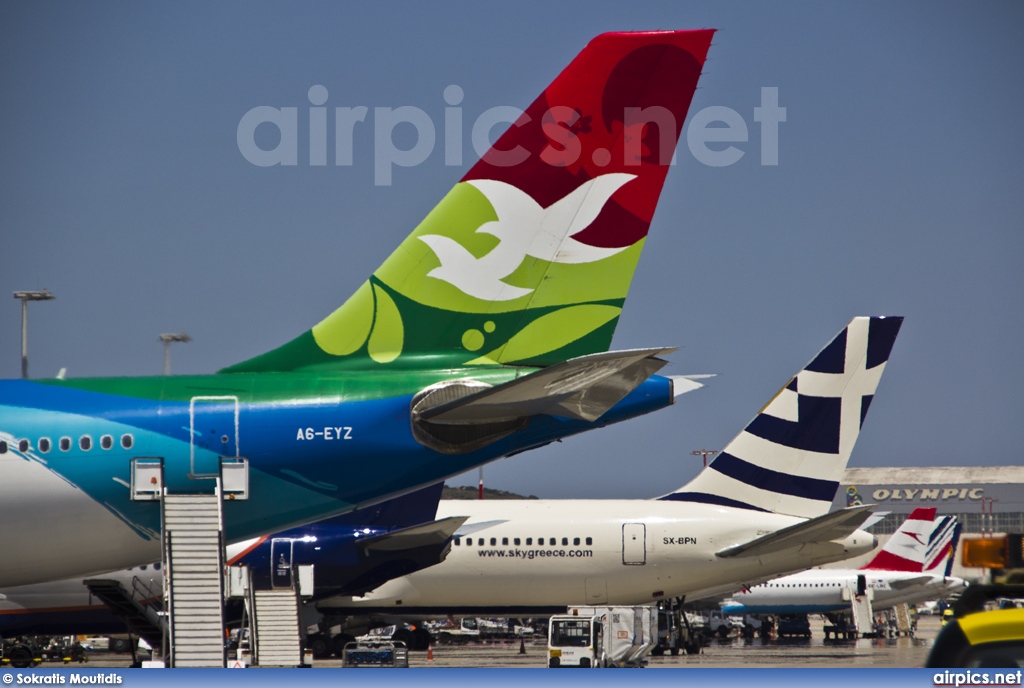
x: 402, y: 316
x: 528, y: 259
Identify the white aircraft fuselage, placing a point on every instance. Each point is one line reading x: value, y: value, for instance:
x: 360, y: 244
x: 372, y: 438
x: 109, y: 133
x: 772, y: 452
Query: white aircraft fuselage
x: 542, y: 555
x: 822, y: 591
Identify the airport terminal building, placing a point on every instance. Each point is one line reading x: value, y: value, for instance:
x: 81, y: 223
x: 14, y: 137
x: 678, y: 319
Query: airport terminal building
x: 984, y: 498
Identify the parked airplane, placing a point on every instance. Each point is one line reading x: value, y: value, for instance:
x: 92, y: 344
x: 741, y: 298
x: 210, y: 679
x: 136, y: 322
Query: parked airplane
x: 760, y: 508
x: 913, y: 567
x: 534, y: 557
x: 484, y: 334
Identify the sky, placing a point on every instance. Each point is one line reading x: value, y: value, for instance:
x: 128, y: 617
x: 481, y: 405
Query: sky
x: 897, y: 191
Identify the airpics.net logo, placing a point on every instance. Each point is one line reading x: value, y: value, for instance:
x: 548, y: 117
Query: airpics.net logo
x: 713, y: 135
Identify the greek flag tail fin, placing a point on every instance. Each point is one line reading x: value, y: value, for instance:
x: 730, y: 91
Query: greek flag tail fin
x: 792, y: 455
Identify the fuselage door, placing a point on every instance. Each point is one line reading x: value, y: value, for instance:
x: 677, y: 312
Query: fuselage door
x: 634, y: 544
x: 213, y: 423
x: 281, y: 562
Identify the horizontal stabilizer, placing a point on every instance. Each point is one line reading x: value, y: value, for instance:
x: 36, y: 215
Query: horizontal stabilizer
x: 875, y: 517
x: 433, y: 533
x: 582, y: 388
x: 832, y: 526
x: 681, y: 384
x: 910, y: 582
x: 471, y: 528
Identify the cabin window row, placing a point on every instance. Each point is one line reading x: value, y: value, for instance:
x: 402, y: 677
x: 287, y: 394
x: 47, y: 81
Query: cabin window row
x: 64, y: 443
x: 803, y: 585
x: 482, y: 542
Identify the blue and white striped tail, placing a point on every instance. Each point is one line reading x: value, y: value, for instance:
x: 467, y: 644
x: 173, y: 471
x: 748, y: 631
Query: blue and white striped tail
x: 791, y: 457
x: 942, y: 545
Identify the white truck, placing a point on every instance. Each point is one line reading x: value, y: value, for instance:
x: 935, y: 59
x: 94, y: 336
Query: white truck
x: 592, y: 637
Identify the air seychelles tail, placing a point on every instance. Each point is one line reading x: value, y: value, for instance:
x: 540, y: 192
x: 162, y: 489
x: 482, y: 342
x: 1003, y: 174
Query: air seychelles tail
x: 529, y: 257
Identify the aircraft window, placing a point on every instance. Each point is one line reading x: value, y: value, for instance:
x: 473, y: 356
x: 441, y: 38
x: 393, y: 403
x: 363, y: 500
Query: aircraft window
x: 515, y: 541
x: 504, y: 541
x: 529, y: 541
x: 469, y: 541
x: 565, y: 541
x: 494, y: 541
x: 85, y: 442
x: 44, y: 444
x: 23, y: 446
x: 143, y: 567
x: 575, y: 541
x: 106, y: 441
x: 65, y: 443
x: 590, y: 541
x: 127, y: 441
x: 458, y: 541
x: 3, y: 447
x: 156, y: 566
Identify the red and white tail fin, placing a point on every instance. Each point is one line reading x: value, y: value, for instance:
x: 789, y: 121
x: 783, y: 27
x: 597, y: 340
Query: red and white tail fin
x: 907, y: 549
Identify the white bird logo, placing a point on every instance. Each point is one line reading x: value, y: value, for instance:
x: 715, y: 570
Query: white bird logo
x: 523, y: 229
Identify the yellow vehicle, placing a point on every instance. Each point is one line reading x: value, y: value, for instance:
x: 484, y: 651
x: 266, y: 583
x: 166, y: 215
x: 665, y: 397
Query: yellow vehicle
x: 947, y: 616
x: 977, y: 636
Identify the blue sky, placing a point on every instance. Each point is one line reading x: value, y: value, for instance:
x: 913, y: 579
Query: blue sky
x: 898, y: 191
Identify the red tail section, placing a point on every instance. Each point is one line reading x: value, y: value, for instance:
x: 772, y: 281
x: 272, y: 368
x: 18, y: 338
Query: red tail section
x: 617, y: 108
x: 906, y: 549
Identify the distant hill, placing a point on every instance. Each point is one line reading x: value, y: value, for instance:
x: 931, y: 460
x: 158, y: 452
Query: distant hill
x: 474, y: 493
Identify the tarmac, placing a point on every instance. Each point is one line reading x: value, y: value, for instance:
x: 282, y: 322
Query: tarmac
x: 815, y: 652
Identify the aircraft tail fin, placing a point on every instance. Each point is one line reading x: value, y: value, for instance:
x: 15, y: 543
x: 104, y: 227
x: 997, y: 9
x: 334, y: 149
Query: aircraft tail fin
x: 528, y: 259
x: 907, y: 549
x: 952, y: 550
x: 792, y: 455
x: 942, y: 544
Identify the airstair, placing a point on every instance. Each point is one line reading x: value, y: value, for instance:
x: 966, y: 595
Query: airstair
x: 193, y: 555
x: 277, y: 631
x: 860, y: 598
x: 139, y: 609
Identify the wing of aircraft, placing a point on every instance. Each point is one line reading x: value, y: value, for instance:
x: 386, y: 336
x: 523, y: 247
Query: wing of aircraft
x: 833, y: 526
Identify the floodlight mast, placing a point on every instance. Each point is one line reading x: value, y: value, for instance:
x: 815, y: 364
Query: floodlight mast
x: 25, y: 297
x: 167, y: 339
x: 705, y: 453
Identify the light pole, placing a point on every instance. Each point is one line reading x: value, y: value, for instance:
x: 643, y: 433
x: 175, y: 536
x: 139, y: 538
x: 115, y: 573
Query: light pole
x: 705, y: 453
x: 25, y: 297
x: 167, y: 339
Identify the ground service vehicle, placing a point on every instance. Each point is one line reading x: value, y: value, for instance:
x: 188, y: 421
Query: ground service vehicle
x: 576, y: 641
x: 617, y: 636
x: 379, y: 654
